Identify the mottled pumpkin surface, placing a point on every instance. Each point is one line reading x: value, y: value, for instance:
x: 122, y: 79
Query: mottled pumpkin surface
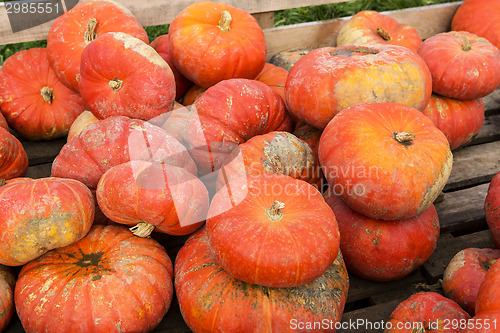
x: 13, y: 157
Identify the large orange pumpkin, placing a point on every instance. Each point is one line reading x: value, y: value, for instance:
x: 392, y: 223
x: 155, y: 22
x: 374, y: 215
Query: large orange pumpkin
x: 462, y: 65
x: 212, y: 301
x: 385, y: 160
x: 109, y: 281
x: 70, y: 33
x: 7, y: 284
x: 113, y: 141
x: 369, y: 26
x: 122, y: 76
x: 42, y: 214
x: 211, y: 42
x: 35, y: 103
x: 480, y: 17
x: 260, y: 229
x: 150, y: 196
x: 328, y: 80
x: 488, y: 295
x: 13, y: 157
x: 459, y: 120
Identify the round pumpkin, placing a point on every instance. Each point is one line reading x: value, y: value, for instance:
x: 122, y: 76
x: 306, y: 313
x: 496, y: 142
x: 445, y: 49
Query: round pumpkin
x: 488, y: 295
x: 121, y: 75
x: 328, y: 80
x: 431, y: 311
x: 380, y: 250
x: 480, y: 17
x: 274, y: 77
x: 85, y: 118
x: 492, y: 209
x: 35, y: 103
x: 385, y: 160
x: 7, y: 284
x: 211, y: 300
x: 109, y: 281
x: 113, y: 141
x: 486, y: 322
x: 13, y: 157
x: 228, y: 114
x: 150, y: 196
x: 3, y: 122
x: 369, y: 26
x: 192, y: 95
x: 211, y: 42
x: 464, y: 274
x: 462, y: 65
x: 70, y: 33
x: 459, y: 120
x: 162, y: 45
x: 311, y: 135
x: 42, y: 214
x: 260, y: 230
x: 272, y: 153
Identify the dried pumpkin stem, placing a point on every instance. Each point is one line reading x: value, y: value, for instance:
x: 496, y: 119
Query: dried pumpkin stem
x: 225, y: 21
x: 405, y: 138
x: 142, y: 229
x: 466, y: 45
x: 90, y: 34
x: 47, y: 94
x: 115, y: 84
x: 274, y: 213
x: 384, y: 34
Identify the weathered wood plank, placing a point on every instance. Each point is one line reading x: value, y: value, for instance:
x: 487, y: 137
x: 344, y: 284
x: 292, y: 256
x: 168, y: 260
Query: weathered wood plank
x: 368, y: 319
x: 40, y: 152
x: 39, y: 171
x: 265, y: 20
x: 434, y: 268
x: 462, y: 210
x: 489, y: 132
x: 152, y: 12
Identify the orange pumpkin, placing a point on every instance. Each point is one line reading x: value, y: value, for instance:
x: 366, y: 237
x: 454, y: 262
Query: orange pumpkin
x: 35, y: 103
x: 7, y: 284
x: 70, y: 33
x: 385, y: 160
x: 84, y: 119
x: 211, y: 42
x: 328, y: 80
x: 488, y: 295
x: 3, y: 122
x: 193, y: 94
x: 13, y: 157
x: 274, y: 77
x: 369, y: 26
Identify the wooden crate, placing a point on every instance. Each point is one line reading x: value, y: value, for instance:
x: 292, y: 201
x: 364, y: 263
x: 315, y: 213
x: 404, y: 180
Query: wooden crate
x: 461, y: 212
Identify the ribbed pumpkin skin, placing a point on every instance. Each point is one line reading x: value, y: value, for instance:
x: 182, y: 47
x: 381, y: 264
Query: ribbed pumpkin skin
x: 168, y: 197
x: 459, y: 120
x: 259, y: 244
x: 426, y: 308
x: 462, y: 65
x: 206, y: 54
x: 380, y: 250
x: 492, y: 209
x: 328, y: 80
x: 42, y: 214
x: 228, y: 114
x: 162, y: 45
x: 113, y: 141
x: 374, y: 173
x: 122, y: 76
x: 110, y: 281
x: 274, y: 77
x: 369, y: 26
x: 7, y: 284
x: 68, y: 35
x: 488, y: 296
x: 272, y: 153
x: 3, y: 122
x: 13, y: 157
x: 34, y: 102
x: 84, y: 119
x: 212, y: 301
x: 464, y: 274
x: 309, y: 134
x: 480, y: 17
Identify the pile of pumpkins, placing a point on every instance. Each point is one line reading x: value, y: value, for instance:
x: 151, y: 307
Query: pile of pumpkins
x: 286, y: 180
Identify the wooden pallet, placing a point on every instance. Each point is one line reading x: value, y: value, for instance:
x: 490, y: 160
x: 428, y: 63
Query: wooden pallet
x: 460, y: 212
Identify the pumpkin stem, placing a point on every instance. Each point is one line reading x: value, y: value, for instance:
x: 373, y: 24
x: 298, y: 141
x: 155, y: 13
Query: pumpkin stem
x: 384, y: 34
x: 47, y: 94
x: 404, y: 138
x: 89, y: 34
x: 274, y: 213
x: 489, y: 263
x: 466, y: 45
x: 115, y: 84
x: 225, y: 21
x: 142, y: 229
x: 2, y: 182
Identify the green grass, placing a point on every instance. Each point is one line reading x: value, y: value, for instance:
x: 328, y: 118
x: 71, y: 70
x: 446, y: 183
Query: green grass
x: 283, y: 17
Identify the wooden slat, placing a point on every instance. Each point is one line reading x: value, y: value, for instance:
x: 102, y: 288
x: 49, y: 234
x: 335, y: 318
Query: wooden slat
x: 152, y: 12
x: 39, y: 171
x: 40, y: 152
x: 373, y: 314
x: 489, y: 132
x: 428, y: 21
x: 265, y: 20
